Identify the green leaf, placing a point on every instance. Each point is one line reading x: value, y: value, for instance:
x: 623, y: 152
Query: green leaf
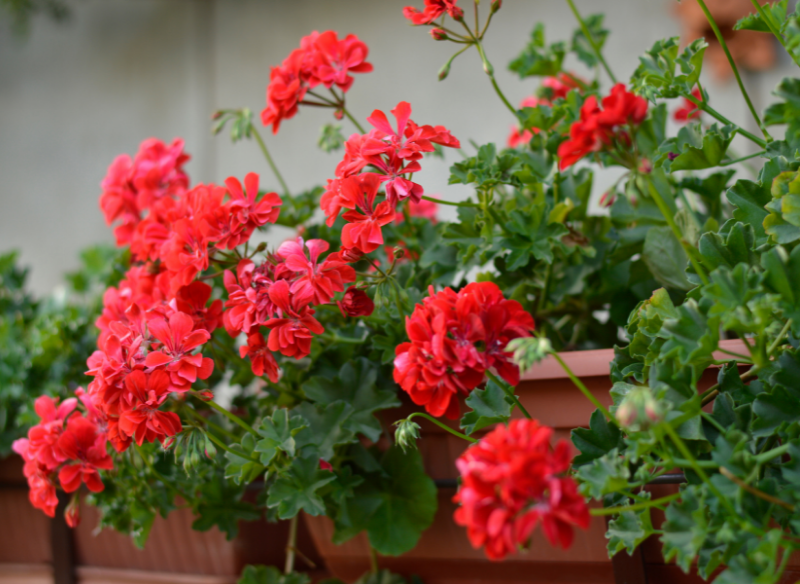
x: 278, y: 432
x: 694, y: 148
x: 326, y: 427
x: 666, y: 258
x: 538, y: 58
x: 581, y: 45
x: 753, y: 21
x: 357, y: 386
x: 531, y: 236
x: 487, y: 169
x: 298, y: 488
x: 489, y: 406
x: 787, y: 111
x: 243, y: 466
x: 781, y: 406
x: 685, y: 529
x: 628, y: 530
x: 603, y: 475
x: 750, y: 198
x: 710, y: 189
x: 331, y: 138
x: 691, y: 337
x: 270, y: 575
x: 729, y: 248
x: 783, y: 222
x: 219, y: 503
x: 395, y: 507
x: 382, y: 577
x: 663, y: 73
x: 598, y: 440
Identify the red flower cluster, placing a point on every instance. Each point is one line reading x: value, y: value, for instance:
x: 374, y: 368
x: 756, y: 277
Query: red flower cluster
x: 553, y: 88
x: 689, y: 111
x: 455, y: 338
x: 133, y: 186
x: 67, y: 444
x: 322, y: 59
x: 433, y: 9
x: 510, y: 483
x: 393, y: 154
x: 278, y: 294
x: 599, y: 127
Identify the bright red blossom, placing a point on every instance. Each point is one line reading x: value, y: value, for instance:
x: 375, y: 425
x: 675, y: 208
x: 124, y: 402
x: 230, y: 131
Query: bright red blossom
x: 322, y: 59
x: 433, y: 9
x: 355, y: 302
x: 510, y: 482
x: 454, y: 338
x: 599, y: 127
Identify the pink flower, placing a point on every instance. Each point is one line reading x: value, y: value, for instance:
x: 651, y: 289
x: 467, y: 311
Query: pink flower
x: 247, y: 212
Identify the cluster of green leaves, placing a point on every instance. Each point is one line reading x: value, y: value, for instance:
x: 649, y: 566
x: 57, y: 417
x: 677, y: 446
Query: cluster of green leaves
x: 44, y: 343
x: 738, y: 508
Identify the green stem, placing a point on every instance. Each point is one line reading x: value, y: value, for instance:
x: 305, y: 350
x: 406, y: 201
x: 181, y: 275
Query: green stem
x: 696, y: 467
x: 373, y: 560
x: 635, y: 507
x: 739, y: 356
x: 668, y: 217
x: 337, y: 339
x: 703, y: 105
x: 509, y: 391
x: 451, y: 203
x: 724, y: 46
x: 767, y: 18
x: 774, y: 453
x: 210, y: 424
x: 489, y: 70
x: 442, y: 426
x: 270, y: 161
x: 590, y: 38
x: 779, y: 339
x: 584, y: 390
x: 226, y: 448
x: 742, y: 159
x: 291, y: 545
x: 231, y: 416
x: 352, y: 119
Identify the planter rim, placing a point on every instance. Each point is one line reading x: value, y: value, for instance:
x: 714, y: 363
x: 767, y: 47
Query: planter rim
x: 596, y: 363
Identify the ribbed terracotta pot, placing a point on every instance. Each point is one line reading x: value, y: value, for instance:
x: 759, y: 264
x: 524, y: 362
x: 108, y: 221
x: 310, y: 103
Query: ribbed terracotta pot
x: 25, y: 552
x: 174, y: 553
x: 444, y: 554
x: 175, y: 550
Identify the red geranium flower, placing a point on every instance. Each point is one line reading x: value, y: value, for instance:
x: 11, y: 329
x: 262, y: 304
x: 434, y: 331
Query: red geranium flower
x: 355, y: 302
x: 140, y: 419
x: 316, y: 283
x: 85, y: 446
x: 179, y: 339
x: 510, y: 482
x: 291, y: 333
x: 262, y: 361
x: 363, y: 230
x: 433, y: 10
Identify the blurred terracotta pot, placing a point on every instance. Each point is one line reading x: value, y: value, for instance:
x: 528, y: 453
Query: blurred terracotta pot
x: 444, y: 554
x: 750, y: 49
x: 174, y: 552
x: 25, y: 552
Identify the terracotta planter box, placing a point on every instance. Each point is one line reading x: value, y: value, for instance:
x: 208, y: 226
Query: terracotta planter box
x: 444, y: 554
x: 174, y: 552
x: 25, y: 551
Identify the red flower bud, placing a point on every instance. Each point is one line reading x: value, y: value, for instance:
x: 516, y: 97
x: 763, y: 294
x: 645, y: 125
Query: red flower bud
x: 496, y: 5
x: 645, y: 166
x: 351, y: 255
x: 438, y: 34
x: 356, y: 303
x: 325, y: 465
x: 72, y: 514
x: 608, y: 199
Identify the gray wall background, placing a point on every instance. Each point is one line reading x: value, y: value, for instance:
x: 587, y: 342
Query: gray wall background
x: 75, y: 95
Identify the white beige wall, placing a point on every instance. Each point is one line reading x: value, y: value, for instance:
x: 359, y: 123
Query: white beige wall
x: 75, y: 95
